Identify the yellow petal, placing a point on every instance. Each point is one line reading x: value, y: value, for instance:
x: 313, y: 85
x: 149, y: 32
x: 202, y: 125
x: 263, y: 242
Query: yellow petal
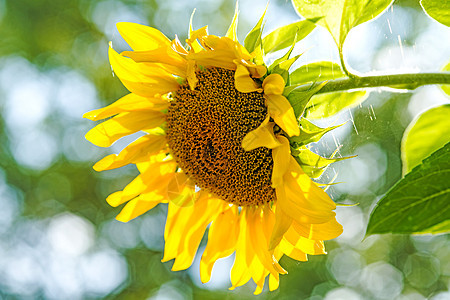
x: 115, y: 199
x: 273, y: 84
x: 282, y: 224
x: 214, y: 42
x: 282, y: 112
x: 137, y: 207
x: 106, y: 133
x: 157, y: 178
x: 184, y: 229
x: 204, y: 212
x: 256, y: 71
x: 291, y: 199
x: 259, y: 285
x: 235, y: 50
x: 140, y: 78
x: 178, y: 47
x: 127, y: 103
x: 197, y: 47
x: 134, y: 152
x: 305, y: 245
x: 243, y: 82
x: 317, y: 198
x: 257, y: 270
x: 278, y: 253
x: 291, y: 251
x: 214, y: 58
x: 190, y: 74
x: 194, y: 35
x: 150, y: 87
x: 222, y: 238
x: 240, y: 273
x: 261, y: 137
x: 324, y: 231
x: 181, y: 190
x: 177, y: 218
x: 141, y: 37
x: 274, y: 282
x: 259, y: 242
x: 159, y: 164
x: 281, y: 159
x: 157, y: 172
x: 164, y: 55
x: 269, y: 228
x: 232, y: 30
x: 302, y: 209
x: 134, y: 188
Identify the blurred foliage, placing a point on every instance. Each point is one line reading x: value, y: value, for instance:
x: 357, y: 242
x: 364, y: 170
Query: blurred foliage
x: 54, y: 38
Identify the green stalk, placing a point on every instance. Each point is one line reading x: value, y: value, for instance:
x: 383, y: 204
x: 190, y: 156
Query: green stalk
x: 343, y: 66
x: 403, y: 81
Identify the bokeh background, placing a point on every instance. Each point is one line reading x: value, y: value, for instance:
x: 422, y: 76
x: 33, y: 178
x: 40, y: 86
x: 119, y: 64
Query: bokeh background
x: 58, y: 236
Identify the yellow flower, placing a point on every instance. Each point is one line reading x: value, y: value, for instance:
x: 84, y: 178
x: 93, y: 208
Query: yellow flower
x: 216, y: 150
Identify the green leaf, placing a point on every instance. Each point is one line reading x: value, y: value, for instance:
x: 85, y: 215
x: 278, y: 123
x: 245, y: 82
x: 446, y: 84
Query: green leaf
x: 299, y: 99
x: 446, y: 87
x: 443, y: 227
x: 317, y: 71
x: 429, y: 132
x: 328, y: 104
x: 283, y: 37
x: 253, y: 39
x: 419, y: 203
x: 359, y: 11
x: 339, y: 16
x: 310, y: 133
x: 438, y: 10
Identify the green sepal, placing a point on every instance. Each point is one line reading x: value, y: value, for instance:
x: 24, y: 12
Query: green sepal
x: 310, y: 133
x: 283, y: 68
x: 258, y: 57
x: 347, y: 205
x: 299, y: 99
x: 285, y: 57
x: 253, y: 39
x: 313, y: 164
x: 330, y: 183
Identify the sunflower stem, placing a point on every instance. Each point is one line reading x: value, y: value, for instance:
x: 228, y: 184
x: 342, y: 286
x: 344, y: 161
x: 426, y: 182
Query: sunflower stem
x: 402, y: 81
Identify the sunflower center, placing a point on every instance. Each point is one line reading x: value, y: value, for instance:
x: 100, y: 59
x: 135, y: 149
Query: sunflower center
x: 205, y: 128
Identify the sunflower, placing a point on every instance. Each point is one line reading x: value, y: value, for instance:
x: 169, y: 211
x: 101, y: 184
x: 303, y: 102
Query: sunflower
x: 216, y: 149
